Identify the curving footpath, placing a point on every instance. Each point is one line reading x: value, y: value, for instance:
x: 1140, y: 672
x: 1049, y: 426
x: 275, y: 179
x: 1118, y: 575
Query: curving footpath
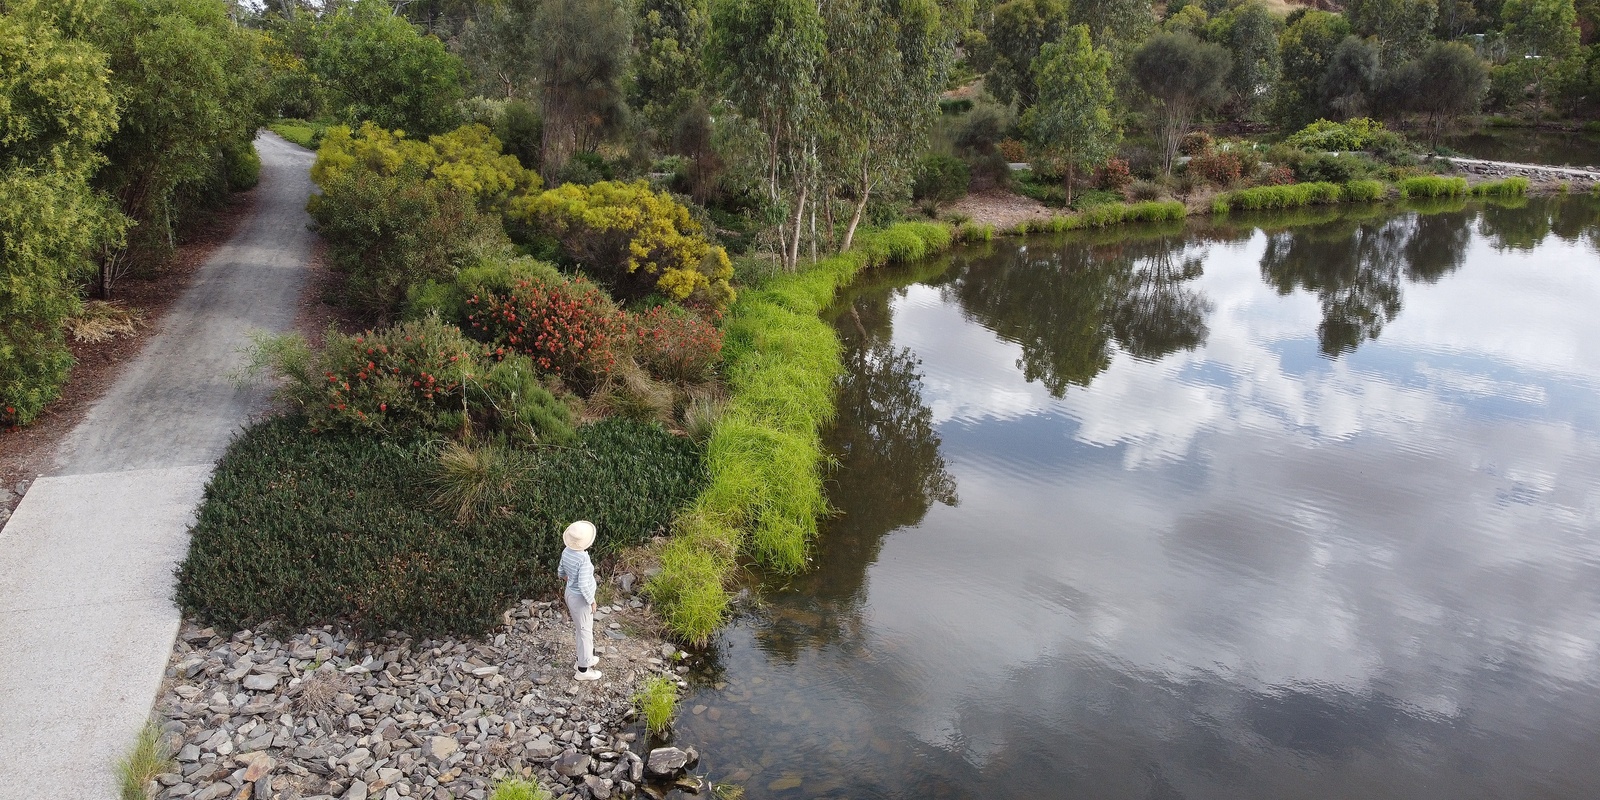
x: 86, y: 563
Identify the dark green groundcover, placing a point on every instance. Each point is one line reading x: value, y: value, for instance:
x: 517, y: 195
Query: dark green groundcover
x: 302, y: 528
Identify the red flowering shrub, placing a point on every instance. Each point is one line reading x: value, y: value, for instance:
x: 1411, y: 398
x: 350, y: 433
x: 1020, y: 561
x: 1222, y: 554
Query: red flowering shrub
x: 569, y: 328
x: 1219, y: 167
x: 1014, y: 151
x: 677, y: 347
x: 1115, y: 175
x: 1279, y: 176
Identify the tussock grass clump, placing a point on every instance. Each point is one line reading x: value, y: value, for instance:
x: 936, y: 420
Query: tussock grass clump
x: 1510, y: 187
x: 302, y: 528
x: 137, y: 771
x: 1433, y: 186
x: 1264, y: 198
x: 657, y: 700
x: 473, y: 481
x: 1365, y: 191
x: 518, y: 790
x: 975, y: 232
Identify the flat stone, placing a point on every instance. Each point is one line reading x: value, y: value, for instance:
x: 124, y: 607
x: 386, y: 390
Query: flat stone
x: 261, y: 683
x: 357, y: 791
x: 439, y: 748
x: 666, y: 762
x: 599, y: 788
x: 789, y: 781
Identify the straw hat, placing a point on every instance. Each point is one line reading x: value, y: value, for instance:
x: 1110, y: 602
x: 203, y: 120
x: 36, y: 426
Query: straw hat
x: 579, y: 535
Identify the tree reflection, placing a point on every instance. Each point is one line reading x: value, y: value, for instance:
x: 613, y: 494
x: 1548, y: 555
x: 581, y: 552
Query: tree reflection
x: 1066, y: 306
x: 1355, y: 266
x: 1515, y: 228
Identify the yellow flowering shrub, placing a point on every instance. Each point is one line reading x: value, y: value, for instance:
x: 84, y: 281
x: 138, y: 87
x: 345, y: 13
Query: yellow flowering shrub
x: 467, y: 159
x: 634, y: 240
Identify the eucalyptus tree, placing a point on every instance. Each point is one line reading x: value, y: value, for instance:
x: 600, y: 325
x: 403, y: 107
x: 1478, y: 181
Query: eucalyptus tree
x: 1450, y: 81
x: 668, y: 67
x: 1072, y: 122
x: 1185, y: 77
x: 766, y: 56
x: 1306, y: 47
x: 886, y: 64
x: 582, y: 49
x: 1018, y: 30
x: 1544, y: 33
x: 1250, y: 32
x: 1402, y: 28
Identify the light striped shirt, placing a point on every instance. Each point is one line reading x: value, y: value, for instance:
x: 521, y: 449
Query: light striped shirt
x: 578, y: 571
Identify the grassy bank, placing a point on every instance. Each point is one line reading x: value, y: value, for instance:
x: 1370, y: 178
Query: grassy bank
x: 765, y: 458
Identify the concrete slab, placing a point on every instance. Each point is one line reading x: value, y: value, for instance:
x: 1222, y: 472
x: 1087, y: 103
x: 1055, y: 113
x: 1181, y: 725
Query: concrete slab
x: 86, y: 623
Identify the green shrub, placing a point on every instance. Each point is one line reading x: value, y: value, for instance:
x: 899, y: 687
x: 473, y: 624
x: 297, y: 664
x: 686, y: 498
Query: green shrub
x: 448, y: 299
x: 941, y: 179
x: 1365, y: 191
x: 1324, y: 168
x: 306, y: 134
x: 241, y: 166
x: 303, y: 528
x: 1433, y: 186
x: 657, y: 700
x: 1325, y: 136
x: 1510, y: 187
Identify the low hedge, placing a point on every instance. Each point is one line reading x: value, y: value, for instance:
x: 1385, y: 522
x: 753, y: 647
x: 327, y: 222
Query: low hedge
x: 764, y: 457
x: 299, y: 528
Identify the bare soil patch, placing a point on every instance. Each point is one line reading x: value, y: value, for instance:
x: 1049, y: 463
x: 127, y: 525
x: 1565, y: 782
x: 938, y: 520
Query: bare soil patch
x: 1000, y: 208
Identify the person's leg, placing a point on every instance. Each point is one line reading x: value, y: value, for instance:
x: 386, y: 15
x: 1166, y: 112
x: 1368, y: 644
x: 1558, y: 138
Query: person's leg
x: 582, y: 630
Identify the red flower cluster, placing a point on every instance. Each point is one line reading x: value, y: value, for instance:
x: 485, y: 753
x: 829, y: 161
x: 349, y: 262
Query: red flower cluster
x: 677, y: 346
x: 570, y: 329
x: 381, y: 374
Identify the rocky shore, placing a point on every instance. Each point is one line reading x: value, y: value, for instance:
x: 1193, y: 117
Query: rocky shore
x: 320, y: 715
x: 1542, y: 175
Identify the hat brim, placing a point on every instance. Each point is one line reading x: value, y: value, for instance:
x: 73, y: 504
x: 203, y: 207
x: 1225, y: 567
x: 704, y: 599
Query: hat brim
x: 578, y: 537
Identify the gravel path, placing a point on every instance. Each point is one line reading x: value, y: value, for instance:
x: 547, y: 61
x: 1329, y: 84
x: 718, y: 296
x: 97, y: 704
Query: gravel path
x: 86, y: 618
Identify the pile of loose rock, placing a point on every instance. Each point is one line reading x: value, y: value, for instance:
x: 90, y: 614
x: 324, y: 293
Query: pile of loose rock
x: 322, y: 715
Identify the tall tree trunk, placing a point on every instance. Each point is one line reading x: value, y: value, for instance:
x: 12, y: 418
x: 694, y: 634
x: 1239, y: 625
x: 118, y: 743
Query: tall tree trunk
x: 861, y: 206
x: 792, y: 258
x: 1072, y: 169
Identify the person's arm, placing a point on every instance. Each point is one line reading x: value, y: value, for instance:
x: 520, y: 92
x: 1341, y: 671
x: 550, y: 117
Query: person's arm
x: 588, y: 585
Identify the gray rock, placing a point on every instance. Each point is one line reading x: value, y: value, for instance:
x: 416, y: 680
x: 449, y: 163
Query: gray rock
x: 20, y: 489
x: 599, y: 788
x: 439, y: 748
x: 625, y: 580
x: 189, y: 753
x: 358, y: 791
x: 573, y: 763
x: 214, y: 791
x: 666, y: 762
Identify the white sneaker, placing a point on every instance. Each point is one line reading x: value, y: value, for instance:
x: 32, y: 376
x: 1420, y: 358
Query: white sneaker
x: 593, y: 660
x: 587, y: 675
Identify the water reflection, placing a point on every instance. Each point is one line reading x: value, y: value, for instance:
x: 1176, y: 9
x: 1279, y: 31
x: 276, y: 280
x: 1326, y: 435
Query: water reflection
x: 1224, y: 565
x: 1067, y: 309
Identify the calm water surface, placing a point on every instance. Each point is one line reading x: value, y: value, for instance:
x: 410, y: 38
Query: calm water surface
x: 1522, y: 145
x: 1308, y: 508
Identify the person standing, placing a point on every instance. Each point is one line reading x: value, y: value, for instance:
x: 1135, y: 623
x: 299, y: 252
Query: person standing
x: 578, y: 571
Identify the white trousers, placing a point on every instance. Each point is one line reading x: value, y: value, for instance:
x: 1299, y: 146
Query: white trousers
x: 582, y: 628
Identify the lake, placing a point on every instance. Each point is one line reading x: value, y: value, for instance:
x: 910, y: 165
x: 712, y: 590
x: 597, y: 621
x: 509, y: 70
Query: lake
x: 1303, y: 506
